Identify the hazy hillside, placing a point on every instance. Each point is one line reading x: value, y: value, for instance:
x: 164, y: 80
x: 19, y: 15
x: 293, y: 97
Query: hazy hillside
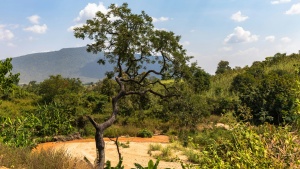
x: 69, y: 62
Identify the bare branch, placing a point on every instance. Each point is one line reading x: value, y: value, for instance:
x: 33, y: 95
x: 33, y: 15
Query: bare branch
x: 118, y: 149
x: 95, y: 124
x: 142, y: 79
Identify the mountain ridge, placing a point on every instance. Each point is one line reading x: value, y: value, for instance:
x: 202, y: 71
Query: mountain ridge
x: 68, y: 62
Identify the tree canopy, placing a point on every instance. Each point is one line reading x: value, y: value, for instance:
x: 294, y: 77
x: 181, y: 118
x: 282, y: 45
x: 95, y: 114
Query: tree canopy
x: 223, y: 66
x: 131, y: 43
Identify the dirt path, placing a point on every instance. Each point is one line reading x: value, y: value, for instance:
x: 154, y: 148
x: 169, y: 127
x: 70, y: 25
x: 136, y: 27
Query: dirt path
x: 136, y: 153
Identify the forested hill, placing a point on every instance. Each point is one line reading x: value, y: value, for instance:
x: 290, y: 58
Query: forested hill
x: 68, y: 62
x: 225, y: 74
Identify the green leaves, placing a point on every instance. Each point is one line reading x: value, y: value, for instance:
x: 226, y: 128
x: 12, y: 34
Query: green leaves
x: 57, y: 86
x: 269, y: 96
x: 54, y: 119
x: 246, y: 146
x: 18, y: 132
x: 131, y: 43
x: 7, y: 79
x: 223, y: 66
x: 151, y: 165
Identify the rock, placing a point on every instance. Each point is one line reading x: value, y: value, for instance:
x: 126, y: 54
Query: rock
x: 221, y: 125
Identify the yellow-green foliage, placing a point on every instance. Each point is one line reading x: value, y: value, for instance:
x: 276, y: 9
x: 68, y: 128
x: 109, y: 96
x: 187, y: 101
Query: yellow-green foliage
x: 167, y: 81
x: 15, y: 107
x: 282, y: 62
x: 45, y: 159
x: 265, y: 146
x: 220, y: 84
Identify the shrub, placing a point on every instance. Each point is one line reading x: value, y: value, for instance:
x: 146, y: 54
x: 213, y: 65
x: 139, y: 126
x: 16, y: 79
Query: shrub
x: 155, y: 147
x: 247, y: 146
x: 144, y: 133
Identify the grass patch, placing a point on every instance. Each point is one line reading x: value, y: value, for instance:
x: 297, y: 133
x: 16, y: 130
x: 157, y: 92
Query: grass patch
x: 116, y: 131
x: 192, y: 155
x: 155, y: 147
x: 166, y: 153
x: 124, y: 145
x: 45, y: 159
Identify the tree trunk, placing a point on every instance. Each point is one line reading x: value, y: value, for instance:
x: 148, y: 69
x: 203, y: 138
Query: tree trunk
x: 100, y: 149
x: 100, y: 128
x: 100, y: 144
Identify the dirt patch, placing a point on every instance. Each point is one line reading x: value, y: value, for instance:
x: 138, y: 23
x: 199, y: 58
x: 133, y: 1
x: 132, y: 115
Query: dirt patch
x: 135, y: 153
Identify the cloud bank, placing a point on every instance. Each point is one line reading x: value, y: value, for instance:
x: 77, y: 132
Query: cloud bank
x: 295, y: 9
x: 40, y: 29
x: 240, y: 36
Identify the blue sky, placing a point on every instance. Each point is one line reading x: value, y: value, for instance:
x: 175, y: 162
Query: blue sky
x: 238, y: 31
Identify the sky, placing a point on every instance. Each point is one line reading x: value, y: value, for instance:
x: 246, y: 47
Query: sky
x: 237, y: 31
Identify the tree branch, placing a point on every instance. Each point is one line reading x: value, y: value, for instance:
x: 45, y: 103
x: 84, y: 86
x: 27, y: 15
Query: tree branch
x: 95, y: 124
x: 118, y: 149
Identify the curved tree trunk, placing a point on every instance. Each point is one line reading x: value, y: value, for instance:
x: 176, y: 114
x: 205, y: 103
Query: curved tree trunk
x: 100, y: 128
x: 100, y: 144
x: 100, y: 149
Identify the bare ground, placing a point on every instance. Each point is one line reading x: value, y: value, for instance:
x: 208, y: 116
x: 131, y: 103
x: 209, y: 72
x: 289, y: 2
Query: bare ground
x: 136, y: 153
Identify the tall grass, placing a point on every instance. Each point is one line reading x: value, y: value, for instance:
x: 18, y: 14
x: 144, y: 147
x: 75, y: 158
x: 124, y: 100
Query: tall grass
x: 45, y: 159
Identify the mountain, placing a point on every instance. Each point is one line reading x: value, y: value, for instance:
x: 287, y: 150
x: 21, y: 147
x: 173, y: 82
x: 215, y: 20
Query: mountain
x: 68, y: 62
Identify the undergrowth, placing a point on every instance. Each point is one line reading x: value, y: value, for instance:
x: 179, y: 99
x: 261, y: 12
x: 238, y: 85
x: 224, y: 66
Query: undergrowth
x: 12, y: 157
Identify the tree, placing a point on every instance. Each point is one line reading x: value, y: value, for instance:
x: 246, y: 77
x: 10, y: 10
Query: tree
x: 131, y: 43
x: 223, y: 66
x: 7, y: 79
x: 107, y: 87
x: 58, y: 86
x: 270, y: 96
x: 197, y: 78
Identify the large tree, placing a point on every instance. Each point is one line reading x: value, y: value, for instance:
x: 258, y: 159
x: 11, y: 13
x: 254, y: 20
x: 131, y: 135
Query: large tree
x: 131, y: 43
x: 223, y: 66
x: 8, y: 80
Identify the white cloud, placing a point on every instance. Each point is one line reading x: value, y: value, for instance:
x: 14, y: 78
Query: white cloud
x: 5, y: 34
x: 161, y: 19
x: 37, y: 28
x: 240, y: 35
x: 34, y: 19
x: 89, y: 11
x: 286, y: 40
x: 280, y: 2
x: 270, y: 38
x: 295, y: 9
x: 71, y: 28
x: 238, y: 17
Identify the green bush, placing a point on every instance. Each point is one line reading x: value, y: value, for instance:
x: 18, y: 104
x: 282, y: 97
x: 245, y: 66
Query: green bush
x: 248, y: 146
x: 18, y: 132
x: 144, y: 133
x: 269, y: 97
